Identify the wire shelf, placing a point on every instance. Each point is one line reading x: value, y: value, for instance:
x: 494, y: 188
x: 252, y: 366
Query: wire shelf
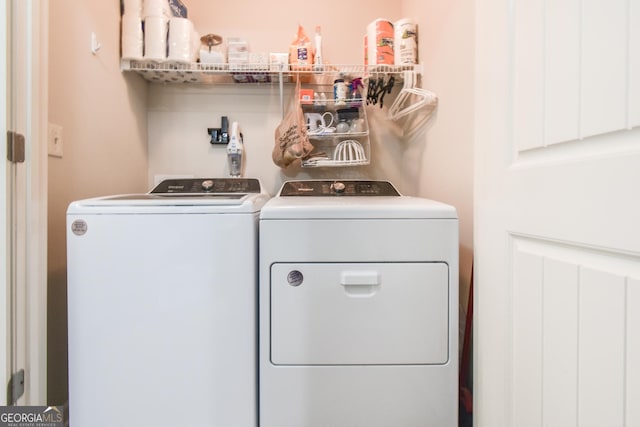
x: 195, y: 72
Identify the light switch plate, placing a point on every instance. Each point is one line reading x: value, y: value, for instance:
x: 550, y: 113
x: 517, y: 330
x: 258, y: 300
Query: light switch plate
x: 55, y: 140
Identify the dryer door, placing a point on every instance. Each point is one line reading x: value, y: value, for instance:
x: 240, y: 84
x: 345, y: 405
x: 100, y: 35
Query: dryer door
x: 359, y: 313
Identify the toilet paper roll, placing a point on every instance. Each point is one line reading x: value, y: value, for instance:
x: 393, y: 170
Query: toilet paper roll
x: 133, y: 8
x: 156, y: 8
x: 181, y: 35
x: 132, y: 37
x: 195, y: 46
x: 155, y: 38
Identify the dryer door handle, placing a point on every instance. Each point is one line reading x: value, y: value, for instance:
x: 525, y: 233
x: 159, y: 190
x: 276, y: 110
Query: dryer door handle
x: 360, y: 278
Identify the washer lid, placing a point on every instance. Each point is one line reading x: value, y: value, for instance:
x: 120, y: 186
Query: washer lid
x: 201, y: 195
x: 317, y: 199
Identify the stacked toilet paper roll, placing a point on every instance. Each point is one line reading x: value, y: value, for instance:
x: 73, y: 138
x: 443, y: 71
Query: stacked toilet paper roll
x: 184, y: 42
x: 156, y: 15
x: 156, y: 8
x: 133, y: 8
x: 155, y: 37
x: 132, y: 37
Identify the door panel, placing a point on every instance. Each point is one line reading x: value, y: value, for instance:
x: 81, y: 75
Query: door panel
x: 633, y: 354
x: 560, y: 342
x: 347, y: 313
x: 603, y: 66
x: 557, y: 238
x: 572, y: 330
x: 575, y: 70
x: 562, y: 65
x: 634, y: 63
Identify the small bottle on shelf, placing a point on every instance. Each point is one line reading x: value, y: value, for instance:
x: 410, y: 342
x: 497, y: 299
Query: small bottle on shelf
x: 317, y: 45
x: 339, y: 92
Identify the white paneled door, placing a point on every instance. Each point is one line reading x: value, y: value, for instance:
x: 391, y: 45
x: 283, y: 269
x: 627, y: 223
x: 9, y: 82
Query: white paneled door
x: 557, y: 169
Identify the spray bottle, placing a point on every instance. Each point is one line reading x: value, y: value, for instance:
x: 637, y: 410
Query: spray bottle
x: 355, y: 97
x: 234, y: 151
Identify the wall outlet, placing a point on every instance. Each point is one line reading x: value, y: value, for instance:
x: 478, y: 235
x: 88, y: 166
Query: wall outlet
x: 55, y: 140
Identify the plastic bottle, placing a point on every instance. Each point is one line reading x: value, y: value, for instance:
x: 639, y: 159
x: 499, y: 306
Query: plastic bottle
x: 339, y: 92
x: 318, y: 56
x: 300, y: 51
x: 355, y: 97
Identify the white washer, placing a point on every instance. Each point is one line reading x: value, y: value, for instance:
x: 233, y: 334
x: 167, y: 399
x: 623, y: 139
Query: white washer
x: 162, y: 306
x: 358, y: 307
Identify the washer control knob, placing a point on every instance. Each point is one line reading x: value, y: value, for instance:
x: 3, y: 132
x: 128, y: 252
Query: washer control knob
x: 338, y: 187
x: 207, y: 184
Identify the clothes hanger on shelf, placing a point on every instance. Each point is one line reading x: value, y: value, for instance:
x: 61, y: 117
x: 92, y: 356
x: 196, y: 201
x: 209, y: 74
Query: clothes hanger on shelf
x: 411, y: 98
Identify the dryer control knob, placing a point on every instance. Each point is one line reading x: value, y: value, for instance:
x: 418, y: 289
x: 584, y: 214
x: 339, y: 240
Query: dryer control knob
x: 207, y: 184
x: 338, y: 187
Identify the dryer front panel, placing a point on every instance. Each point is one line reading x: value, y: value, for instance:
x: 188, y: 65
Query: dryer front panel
x: 359, y: 313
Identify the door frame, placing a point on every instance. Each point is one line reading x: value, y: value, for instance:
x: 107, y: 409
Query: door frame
x: 34, y: 21
x: 4, y: 278
x: 38, y: 64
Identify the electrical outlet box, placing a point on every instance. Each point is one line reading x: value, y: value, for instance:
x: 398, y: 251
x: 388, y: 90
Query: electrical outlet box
x: 55, y: 140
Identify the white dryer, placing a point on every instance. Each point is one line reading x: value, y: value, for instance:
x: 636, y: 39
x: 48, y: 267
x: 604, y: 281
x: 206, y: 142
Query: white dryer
x: 162, y: 298
x: 358, y: 307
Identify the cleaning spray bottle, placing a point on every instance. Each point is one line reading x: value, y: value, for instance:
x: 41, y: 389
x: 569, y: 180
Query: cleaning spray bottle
x: 234, y: 151
x: 356, y: 96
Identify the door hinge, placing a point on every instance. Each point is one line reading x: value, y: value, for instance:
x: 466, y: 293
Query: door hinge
x: 15, y: 388
x: 15, y: 147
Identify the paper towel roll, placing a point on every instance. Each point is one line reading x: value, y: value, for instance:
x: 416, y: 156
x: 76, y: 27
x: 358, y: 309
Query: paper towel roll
x: 405, y: 44
x: 132, y: 37
x: 133, y: 7
x: 156, y: 8
x: 155, y: 38
x: 380, y: 42
x: 181, y: 35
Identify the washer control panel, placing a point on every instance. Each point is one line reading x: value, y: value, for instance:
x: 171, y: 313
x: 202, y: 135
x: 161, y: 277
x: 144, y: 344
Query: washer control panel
x: 207, y: 186
x: 330, y: 188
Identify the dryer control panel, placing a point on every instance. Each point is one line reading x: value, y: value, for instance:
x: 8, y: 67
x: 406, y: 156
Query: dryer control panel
x: 207, y: 186
x: 328, y: 188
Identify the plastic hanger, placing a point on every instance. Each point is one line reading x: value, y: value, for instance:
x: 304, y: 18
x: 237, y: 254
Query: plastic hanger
x: 411, y: 98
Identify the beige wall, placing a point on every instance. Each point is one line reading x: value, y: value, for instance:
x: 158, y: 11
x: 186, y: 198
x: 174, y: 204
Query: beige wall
x: 103, y: 115
x: 446, y: 151
x: 117, y: 138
